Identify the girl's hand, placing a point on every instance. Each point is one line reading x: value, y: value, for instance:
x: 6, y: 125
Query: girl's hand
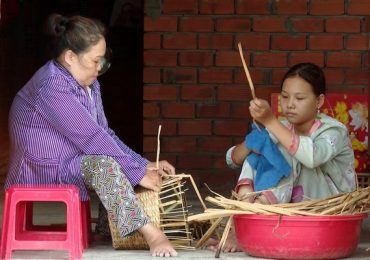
x: 261, y: 111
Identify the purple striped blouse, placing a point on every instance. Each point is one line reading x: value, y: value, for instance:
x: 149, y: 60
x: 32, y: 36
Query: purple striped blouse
x: 53, y: 123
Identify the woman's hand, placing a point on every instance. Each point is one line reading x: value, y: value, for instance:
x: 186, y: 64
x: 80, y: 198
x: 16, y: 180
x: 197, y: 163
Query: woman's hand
x: 153, y: 177
x: 152, y: 180
x: 261, y: 111
x: 164, y: 168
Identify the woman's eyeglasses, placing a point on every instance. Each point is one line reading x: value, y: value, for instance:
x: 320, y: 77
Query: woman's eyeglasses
x: 105, y: 62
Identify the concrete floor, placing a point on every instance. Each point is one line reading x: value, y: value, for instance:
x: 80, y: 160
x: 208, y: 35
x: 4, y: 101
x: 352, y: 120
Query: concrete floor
x: 100, y: 249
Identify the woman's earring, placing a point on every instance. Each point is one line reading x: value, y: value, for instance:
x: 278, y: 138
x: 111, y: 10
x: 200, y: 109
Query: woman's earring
x: 318, y: 110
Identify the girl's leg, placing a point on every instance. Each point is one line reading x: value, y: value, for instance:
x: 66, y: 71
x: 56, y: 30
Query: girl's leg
x: 104, y: 175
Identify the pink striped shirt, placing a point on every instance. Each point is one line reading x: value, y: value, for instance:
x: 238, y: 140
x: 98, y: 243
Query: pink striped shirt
x: 53, y: 123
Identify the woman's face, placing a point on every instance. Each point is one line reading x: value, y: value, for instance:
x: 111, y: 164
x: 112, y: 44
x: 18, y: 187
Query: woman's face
x: 85, y: 66
x: 298, y: 101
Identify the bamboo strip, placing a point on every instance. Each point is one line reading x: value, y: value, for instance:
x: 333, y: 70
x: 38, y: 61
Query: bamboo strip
x: 158, y: 146
x: 224, y: 237
x: 208, y: 234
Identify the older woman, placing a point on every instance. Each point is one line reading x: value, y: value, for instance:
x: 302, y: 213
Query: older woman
x: 59, y: 133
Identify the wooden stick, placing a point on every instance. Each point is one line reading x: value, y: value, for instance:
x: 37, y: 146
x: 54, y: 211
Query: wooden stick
x: 208, y: 234
x: 158, y: 146
x: 224, y: 236
x: 246, y: 71
x: 251, y: 86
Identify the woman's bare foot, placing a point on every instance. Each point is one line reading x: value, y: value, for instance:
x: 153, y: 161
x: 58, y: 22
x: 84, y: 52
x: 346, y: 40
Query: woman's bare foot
x: 158, y: 243
x: 231, y: 244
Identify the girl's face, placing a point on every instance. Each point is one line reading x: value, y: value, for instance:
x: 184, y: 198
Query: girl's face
x: 86, y: 66
x: 299, y: 103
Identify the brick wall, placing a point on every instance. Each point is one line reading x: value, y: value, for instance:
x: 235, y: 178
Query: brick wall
x: 194, y: 83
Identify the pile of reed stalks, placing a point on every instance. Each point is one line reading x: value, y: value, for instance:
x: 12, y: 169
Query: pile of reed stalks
x: 355, y: 202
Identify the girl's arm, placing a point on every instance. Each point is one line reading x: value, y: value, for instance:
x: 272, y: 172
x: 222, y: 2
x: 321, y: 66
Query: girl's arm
x: 239, y: 153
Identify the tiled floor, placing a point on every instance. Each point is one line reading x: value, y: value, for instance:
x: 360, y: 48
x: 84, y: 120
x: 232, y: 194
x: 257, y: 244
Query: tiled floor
x: 103, y: 250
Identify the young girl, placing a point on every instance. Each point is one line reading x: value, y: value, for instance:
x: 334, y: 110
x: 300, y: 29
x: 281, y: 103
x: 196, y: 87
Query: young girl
x: 316, y: 146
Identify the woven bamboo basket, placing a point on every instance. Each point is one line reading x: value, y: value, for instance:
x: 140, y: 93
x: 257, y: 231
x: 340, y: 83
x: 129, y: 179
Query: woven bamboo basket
x: 167, y: 209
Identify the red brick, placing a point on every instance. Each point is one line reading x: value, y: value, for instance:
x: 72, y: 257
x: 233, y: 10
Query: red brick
x: 253, y: 6
x: 254, y: 41
x: 195, y: 161
x: 149, y: 144
x: 216, y: 6
x: 234, y: 93
x: 230, y: 127
x: 151, y: 109
x: 151, y: 75
x: 213, y: 110
x: 326, y: 42
x: 197, y: 92
x: 357, y: 77
x: 160, y: 93
x: 214, y: 144
x: 178, y: 144
x: 365, y: 24
x: 152, y: 41
x: 180, y: 75
x: 215, y: 41
x: 195, y: 127
x: 307, y: 24
x: 271, y: 59
x: 230, y: 58
x: 231, y: 24
x: 180, y: 7
x: 277, y: 76
x: 314, y: 57
x: 161, y: 24
x: 288, y: 42
x: 150, y: 127
x: 334, y: 76
x: 266, y: 91
x: 215, y: 75
x: 343, y: 59
x: 259, y: 76
x: 357, y: 42
x: 240, y: 110
x: 196, y: 24
x: 358, y: 7
x: 291, y: 7
x: 196, y: 58
x: 366, y: 60
x: 178, y: 110
x: 180, y: 41
x: 327, y: 7
x: 269, y: 24
x: 343, y: 24
x: 160, y: 58
x: 219, y: 162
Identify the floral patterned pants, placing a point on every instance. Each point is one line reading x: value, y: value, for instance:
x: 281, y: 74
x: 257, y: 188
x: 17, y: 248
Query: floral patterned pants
x: 105, y: 176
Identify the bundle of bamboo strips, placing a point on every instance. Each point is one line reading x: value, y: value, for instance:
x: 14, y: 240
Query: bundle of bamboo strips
x: 350, y: 203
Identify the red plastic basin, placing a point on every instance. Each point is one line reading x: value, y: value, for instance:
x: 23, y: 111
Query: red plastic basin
x: 298, y: 237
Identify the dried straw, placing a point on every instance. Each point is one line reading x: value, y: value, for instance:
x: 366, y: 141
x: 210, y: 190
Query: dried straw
x: 350, y: 203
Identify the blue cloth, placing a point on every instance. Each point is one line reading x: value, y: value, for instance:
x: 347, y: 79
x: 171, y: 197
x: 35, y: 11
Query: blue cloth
x: 266, y: 159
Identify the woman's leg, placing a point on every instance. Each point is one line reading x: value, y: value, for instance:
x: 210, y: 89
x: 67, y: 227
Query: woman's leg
x: 104, y: 175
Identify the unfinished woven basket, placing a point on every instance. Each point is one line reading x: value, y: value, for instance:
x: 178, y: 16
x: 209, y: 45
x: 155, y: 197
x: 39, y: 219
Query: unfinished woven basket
x: 167, y: 210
